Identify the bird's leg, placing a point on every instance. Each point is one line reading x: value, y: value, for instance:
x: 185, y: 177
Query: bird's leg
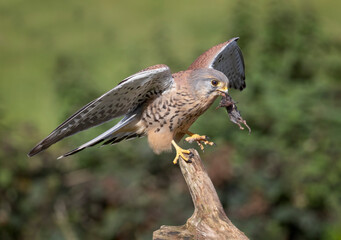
x: 180, y: 153
x: 199, y: 139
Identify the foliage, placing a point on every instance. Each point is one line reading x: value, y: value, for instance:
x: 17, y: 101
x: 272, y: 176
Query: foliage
x: 280, y: 182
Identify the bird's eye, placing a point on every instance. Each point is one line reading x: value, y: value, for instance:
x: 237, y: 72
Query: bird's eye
x: 214, y: 83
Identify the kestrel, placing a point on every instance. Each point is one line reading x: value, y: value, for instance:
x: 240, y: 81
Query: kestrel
x: 158, y: 104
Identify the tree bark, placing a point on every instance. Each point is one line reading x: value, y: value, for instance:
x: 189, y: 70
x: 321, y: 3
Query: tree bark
x: 209, y: 220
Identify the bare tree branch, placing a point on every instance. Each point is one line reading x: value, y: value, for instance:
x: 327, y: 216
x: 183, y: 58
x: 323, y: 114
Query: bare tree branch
x: 209, y: 220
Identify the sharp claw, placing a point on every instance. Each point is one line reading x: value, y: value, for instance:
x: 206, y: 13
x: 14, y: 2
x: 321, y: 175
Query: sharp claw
x: 181, y: 153
x: 200, y: 140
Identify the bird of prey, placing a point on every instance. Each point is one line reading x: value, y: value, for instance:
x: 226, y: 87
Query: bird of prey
x: 158, y: 104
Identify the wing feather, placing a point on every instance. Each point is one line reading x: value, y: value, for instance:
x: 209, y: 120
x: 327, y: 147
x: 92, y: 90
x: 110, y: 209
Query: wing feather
x: 226, y: 57
x: 121, y: 100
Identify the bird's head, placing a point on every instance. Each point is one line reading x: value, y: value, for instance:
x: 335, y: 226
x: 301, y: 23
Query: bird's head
x: 208, y: 82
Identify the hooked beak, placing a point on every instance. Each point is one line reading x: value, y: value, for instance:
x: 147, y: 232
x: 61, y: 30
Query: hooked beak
x: 223, y: 90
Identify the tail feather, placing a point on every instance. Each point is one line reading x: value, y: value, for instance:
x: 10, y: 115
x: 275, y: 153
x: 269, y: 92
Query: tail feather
x: 112, y: 133
x: 112, y: 140
x: 120, y: 137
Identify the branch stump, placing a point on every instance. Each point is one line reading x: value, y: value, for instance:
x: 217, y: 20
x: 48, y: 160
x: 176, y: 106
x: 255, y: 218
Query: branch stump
x: 209, y: 220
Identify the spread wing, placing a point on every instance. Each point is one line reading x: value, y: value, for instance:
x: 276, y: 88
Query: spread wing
x: 227, y: 58
x: 121, y: 100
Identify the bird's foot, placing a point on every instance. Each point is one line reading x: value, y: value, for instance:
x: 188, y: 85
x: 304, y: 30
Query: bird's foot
x: 181, y: 153
x: 199, y: 139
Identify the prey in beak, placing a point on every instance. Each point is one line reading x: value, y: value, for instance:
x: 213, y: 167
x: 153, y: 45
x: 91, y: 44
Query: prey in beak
x: 231, y: 108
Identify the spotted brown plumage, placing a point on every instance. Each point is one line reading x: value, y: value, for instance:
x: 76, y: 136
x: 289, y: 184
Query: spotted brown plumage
x: 158, y: 104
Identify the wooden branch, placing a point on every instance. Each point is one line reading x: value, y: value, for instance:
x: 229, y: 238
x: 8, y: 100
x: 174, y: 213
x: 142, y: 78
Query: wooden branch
x: 209, y: 220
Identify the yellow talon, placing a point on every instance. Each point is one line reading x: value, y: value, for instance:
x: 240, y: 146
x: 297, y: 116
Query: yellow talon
x: 180, y: 153
x: 199, y: 139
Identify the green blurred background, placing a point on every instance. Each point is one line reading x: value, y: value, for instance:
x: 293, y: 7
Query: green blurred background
x: 280, y: 182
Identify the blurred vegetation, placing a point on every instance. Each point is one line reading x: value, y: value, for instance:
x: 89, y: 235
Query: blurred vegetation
x: 280, y: 182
